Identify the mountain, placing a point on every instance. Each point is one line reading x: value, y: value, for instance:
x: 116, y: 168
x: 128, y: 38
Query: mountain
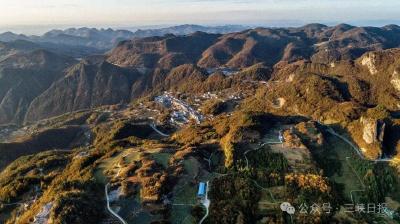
x: 85, y: 85
x: 8, y: 49
x: 167, y: 52
x: 137, y: 67
x: 95, y: 41
x: 9, y: 36
x: 188, y: 29
x: 308, y: 115
x: 102, y: 39
x: 346, y: 42
x: 147, y: 65
x: 23, y: 76
x: 13, y: 47
x: 315, y: 42
x: 106, y: 39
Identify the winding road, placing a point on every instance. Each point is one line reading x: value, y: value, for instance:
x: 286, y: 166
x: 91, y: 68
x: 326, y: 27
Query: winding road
x: 359, y: 153
x: 109, y: 208
x: 280, y: 137
x: 209, y: 160
x: 108, y: 198
x: 353, y: 146
x: 252, y: 150
x: 206, y: 202
x: 247, y: 165
x: 153, y: 126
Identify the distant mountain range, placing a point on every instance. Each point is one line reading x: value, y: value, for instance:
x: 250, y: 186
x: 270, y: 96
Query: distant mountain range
x: 95, y: 40
x: 188, y: 29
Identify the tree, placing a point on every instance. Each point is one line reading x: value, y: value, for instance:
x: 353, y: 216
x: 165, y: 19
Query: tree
x: 197, y: 212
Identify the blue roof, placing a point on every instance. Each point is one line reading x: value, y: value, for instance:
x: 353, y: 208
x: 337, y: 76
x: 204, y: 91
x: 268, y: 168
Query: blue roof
x: 202, y: 189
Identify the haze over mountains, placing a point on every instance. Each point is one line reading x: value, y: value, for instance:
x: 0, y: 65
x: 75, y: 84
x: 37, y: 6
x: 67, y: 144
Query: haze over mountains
x: 100, y: 40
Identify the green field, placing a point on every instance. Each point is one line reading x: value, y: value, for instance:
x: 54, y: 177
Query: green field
x: 343, y: 172
x: 185, y: 193
x: 132, y: 211
x: 181, y: 215
x: 183, y: 201
x: 162, y: 158
x: 130, y: 155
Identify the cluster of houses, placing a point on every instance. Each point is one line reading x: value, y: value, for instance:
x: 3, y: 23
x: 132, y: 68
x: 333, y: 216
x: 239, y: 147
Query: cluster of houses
x: 183, y: 111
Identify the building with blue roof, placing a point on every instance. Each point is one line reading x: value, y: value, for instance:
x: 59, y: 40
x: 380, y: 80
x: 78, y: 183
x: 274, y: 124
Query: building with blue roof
x: 202, y: 190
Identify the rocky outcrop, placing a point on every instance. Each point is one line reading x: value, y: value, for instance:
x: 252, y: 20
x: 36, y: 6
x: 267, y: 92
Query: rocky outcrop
x: 396, y: 80
x: 369, y: 61
x: 373, y: 130
x: 375, y: 133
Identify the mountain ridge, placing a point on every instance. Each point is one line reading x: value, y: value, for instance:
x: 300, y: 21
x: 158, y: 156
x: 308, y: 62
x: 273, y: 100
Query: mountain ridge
x: 152, y: 64
x: 105, y: 39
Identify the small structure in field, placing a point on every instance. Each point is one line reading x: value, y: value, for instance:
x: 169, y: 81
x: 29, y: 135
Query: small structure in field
x: 201, y: 194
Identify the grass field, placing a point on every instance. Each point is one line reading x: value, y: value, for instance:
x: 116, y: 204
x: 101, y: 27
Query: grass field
x: 340, y: 151
x: 162, y: 158
x: 191, y: 166
x: 130, y: 155
x: 184, y: 193
x: 183, y: 201
x: 131, y: 209
x: 181, y: 215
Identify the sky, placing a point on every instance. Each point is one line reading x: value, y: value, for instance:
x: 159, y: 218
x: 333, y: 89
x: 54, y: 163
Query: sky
x: 31, y: 15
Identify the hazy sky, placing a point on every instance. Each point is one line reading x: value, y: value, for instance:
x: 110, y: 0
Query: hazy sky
x: 25, y: 13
